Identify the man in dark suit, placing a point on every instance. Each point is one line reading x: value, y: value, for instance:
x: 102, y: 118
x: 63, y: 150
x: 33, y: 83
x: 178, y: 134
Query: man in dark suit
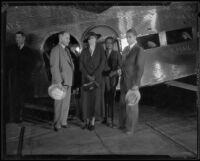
x: 111, y: 78
x: 19, y: 76
x: 62, y: 69
x: 132, y: 71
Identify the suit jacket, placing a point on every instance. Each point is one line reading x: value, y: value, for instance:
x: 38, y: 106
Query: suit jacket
x: 22, y: 59
x: 21, y: 62
x: 113, y: 63
x: 92, y: 65
x: 62, y: 66
x: 132, y: 67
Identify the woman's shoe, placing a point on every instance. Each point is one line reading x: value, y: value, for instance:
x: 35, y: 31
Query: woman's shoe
x: 55, y: 129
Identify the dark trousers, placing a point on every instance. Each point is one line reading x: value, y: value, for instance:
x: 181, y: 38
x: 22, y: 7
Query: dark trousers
x: 18, y: 92
x: 109, y: 96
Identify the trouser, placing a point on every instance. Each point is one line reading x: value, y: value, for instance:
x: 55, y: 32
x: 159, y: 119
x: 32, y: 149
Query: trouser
x: 61, y: 108
x: 128, y: 115
x: 18, y: 91
x: 109, y: 103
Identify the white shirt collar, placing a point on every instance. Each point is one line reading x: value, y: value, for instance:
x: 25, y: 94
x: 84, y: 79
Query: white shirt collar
x: 131, y: 46
x: 63, y: 46
x: 21, y: 46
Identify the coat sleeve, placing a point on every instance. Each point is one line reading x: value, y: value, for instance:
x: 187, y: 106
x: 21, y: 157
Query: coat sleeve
x: 55, y: 67
x: 81, y: 64
x: 140, y: 61
x: 102, y: 62
x: 119, y: 62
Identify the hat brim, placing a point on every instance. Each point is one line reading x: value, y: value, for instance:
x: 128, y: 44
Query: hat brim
x: 88, y: 36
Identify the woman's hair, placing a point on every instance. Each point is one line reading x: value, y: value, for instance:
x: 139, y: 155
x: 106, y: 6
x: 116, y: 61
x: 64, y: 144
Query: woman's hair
x: 110, y: 38
x: 133, y: 31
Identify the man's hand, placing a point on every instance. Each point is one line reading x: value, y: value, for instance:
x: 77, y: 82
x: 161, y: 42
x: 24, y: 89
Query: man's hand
x: 135, y: 88
x: 119, y: 72
x: 116, y: 72
x: 112, y: 73
x: 60, y: 85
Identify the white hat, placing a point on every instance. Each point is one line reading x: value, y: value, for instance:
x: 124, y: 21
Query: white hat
x: 56, y: 92
x: 132, y: 97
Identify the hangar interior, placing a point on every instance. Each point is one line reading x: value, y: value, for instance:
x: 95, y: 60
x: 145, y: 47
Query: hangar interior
x: 168, y: 108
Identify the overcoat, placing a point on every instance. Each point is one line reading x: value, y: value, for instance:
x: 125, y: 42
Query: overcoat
x: 93, y: 66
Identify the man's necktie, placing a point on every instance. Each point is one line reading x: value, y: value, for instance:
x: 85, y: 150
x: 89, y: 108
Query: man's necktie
x: 69, y: 55
x: 128, y: 50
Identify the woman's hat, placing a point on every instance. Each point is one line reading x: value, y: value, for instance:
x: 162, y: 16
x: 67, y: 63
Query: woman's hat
x: 56, y: 92
x: 91, y: 34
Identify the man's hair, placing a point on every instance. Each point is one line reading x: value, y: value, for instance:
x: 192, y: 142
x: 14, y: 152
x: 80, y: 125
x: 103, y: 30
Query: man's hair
x: 133, y: 31
x: 109, y: 38
x: 62, y: 33
x: 20, y: 33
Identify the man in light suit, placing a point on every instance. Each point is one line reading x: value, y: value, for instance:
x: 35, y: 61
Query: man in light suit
x: 62, y: 69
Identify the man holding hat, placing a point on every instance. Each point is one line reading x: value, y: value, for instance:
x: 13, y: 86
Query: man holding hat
x: 62, y: 69
x: 132, y: 70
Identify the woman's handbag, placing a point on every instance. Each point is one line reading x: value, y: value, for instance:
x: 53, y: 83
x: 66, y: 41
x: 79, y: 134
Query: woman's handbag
x: 90, y: 86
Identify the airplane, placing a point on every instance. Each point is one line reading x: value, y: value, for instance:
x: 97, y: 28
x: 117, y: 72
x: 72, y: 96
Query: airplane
x: 168, y: 33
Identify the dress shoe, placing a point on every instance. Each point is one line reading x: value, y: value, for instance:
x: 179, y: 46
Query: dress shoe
x: 121, y: 127
x: 129, y: 132
x: 85, y: 126
x: 104, y: 121
x: 65, y: 126
x: 56, y: 129
x: 91, y: 127
x: 112, y: 125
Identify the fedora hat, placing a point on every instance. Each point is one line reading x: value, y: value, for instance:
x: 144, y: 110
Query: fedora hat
x: 132, y: 97
x: 56, y: 92
x: 89, y: 34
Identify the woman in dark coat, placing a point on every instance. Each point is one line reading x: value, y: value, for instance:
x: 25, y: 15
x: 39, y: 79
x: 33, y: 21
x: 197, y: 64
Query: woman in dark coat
x: 92, y: 63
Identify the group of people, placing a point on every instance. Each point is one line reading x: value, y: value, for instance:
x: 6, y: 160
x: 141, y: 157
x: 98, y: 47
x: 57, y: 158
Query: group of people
x: 100, y: 70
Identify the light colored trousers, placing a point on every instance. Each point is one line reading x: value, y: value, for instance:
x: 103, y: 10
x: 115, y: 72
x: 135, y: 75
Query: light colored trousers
x: 128, y: 115
x: 61, y: 109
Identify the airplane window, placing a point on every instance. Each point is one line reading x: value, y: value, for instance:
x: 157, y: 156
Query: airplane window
x: 163, y: 39
x: 178, y: 36
x: 149, y: 41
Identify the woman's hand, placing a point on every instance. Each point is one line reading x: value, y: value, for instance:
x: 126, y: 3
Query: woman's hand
x: 91, y: 78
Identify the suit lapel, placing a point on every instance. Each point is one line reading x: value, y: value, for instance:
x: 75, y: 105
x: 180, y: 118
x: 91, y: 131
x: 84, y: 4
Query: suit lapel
x: 67, y: 56
x: 129, y: 51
